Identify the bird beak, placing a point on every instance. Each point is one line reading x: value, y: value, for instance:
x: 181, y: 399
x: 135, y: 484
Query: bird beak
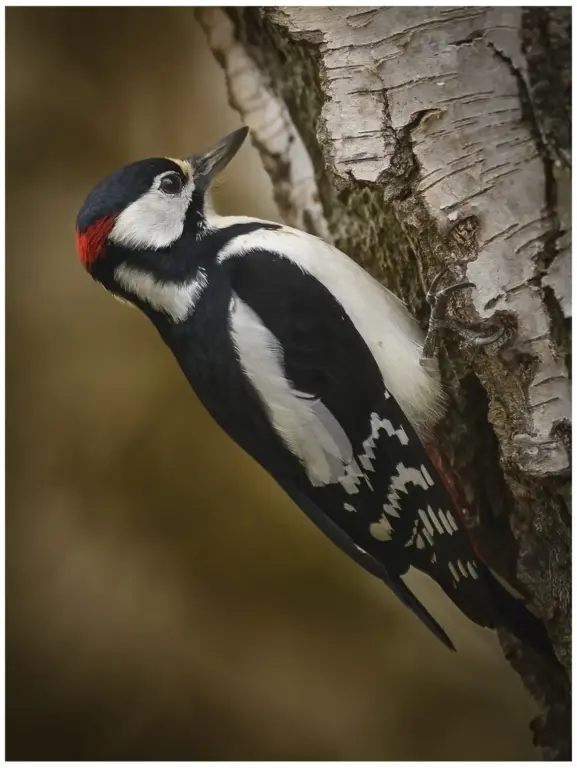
x: 206, y: 167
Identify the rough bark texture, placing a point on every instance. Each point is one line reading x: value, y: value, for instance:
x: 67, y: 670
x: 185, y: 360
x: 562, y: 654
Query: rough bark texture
x: 416, y: 138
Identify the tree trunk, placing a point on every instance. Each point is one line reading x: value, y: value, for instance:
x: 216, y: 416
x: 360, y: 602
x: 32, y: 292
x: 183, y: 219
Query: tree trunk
x: 416, y: 138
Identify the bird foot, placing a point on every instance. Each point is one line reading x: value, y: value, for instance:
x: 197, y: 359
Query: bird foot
x: 438, y: 300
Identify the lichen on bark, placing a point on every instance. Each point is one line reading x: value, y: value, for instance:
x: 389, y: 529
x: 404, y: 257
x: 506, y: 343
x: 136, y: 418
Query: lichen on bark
x: 434, y: 136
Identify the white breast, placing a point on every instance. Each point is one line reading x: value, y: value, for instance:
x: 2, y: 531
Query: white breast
x: 392, y: 335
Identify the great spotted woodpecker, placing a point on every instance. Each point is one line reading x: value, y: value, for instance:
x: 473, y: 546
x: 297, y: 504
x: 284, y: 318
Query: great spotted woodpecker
x: 307, y: 362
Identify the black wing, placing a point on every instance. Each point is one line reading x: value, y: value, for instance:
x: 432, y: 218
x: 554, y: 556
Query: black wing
x: 392, y: 510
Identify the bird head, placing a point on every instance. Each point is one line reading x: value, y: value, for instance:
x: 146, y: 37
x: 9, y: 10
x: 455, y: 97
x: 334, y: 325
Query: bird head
x: 138, y: 214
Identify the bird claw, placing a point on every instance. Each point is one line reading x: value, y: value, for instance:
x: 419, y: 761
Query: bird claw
x: 438, y: 300
x: 478, y: 339
x: 433, y: 295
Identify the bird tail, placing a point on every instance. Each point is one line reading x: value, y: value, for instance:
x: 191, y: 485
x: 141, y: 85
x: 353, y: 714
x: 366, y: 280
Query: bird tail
x: 508, y: 609
x: 512, y: 614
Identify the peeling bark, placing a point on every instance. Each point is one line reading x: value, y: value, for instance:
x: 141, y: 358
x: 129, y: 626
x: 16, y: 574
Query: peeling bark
x: 422, y: 137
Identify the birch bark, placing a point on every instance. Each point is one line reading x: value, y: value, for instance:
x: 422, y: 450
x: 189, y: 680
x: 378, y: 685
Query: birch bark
x: 416, y: 138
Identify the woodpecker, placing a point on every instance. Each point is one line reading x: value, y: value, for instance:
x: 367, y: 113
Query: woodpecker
x: 307, y: 362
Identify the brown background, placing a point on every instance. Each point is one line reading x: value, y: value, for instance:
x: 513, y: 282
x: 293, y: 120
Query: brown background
x: 164, y: 599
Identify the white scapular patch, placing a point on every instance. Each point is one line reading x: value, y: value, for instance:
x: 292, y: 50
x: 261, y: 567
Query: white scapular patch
x: 175, y: 299
x: 304, y: 423
x: 155, y: 220
x: 392, y: 335
x: 349, y: 508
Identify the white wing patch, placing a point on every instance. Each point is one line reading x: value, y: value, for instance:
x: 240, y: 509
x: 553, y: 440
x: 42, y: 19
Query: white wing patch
x: 444, y: 520
x: 391, y: 334
x: 404, y: 476
x: 429, y: 523
x: 464, y: 570
x: 426, y: 475
x: 376, y: 425
x: 423, y: 533
x: 426, y: 522
x: 472, y: 570
x: 354, y: 475
x: 398, y: 484
x: 382, y: 530
x: 175, y: 299
x: 303, y: 422
x: 452, y: 522
x: 435, y: 520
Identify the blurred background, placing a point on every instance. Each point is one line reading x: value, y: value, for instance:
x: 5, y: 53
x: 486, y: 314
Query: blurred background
x: 164, y: 599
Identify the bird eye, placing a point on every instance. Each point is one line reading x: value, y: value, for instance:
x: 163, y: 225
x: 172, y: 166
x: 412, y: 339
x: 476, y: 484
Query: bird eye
x: 171, y: 184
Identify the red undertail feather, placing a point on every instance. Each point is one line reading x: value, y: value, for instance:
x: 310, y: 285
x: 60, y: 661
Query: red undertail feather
x: 451, y: 482
x: 510, y: 612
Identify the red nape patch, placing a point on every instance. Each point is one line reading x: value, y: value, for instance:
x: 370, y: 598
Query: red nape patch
x: 89, y: 244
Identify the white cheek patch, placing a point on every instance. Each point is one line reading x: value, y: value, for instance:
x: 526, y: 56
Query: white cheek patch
x: 174, y: 299
x: 304, y: 423
x: 155, y: 220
